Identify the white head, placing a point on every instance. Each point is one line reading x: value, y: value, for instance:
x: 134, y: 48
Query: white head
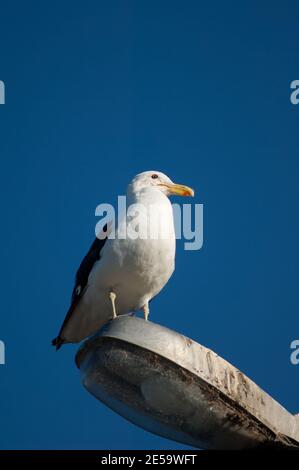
x: 158, y: 180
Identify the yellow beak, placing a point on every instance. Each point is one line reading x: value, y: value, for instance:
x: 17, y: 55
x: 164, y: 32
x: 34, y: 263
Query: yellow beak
x: 179, y: 189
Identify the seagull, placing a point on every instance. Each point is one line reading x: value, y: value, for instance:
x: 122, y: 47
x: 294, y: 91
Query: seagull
x: 121, y: 274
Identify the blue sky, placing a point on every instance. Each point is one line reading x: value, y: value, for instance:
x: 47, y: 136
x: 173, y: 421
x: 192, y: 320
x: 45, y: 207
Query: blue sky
x: 98, y: 92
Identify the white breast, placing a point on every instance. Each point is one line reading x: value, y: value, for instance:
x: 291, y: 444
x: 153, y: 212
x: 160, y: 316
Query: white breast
x: 140, y: 266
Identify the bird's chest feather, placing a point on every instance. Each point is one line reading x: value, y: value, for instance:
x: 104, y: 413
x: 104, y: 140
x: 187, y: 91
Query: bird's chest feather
x: 146, y: 262
x: 147, y: 259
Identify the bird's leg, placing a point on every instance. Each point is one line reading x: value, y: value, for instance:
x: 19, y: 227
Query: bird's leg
x: 145, y: 311
x: 112, y: 297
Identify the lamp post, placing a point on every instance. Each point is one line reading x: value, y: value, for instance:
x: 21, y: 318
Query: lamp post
x: 176, y: 388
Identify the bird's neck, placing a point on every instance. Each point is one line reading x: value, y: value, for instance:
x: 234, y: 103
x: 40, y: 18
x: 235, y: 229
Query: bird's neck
x: 146, y: 196
x: 151, y: 208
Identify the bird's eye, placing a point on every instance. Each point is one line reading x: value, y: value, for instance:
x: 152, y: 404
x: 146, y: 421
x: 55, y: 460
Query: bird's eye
x: 154, y: 176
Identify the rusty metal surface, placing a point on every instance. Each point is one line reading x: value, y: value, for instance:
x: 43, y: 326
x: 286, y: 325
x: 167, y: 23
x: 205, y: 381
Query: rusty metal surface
x: 174, y: 387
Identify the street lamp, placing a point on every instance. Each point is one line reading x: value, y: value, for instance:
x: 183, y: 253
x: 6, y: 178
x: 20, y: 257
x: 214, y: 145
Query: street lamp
x: 176, y: 388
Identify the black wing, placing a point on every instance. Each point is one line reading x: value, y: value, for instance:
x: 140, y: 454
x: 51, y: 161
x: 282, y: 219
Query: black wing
x: 93, y: 255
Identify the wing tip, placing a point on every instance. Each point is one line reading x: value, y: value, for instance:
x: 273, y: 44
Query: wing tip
x: 57, y: 342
